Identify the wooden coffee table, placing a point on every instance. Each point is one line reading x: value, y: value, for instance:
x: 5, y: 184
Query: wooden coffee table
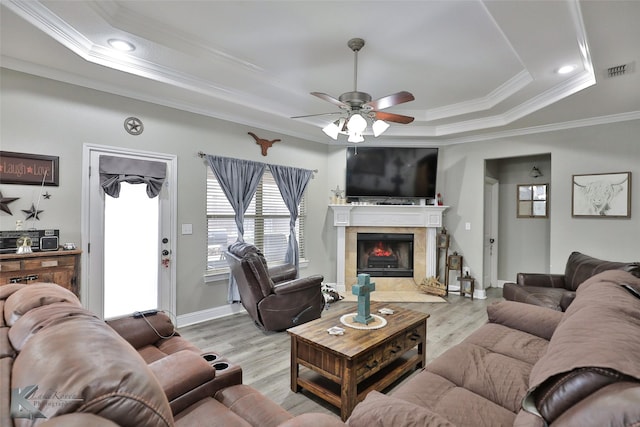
x: 342, y: 369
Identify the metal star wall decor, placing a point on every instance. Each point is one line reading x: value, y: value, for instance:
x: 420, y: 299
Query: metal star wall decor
x: 4, y: 203
x: 47, y: 195
x: 133, y: 125
x: 33, y: 212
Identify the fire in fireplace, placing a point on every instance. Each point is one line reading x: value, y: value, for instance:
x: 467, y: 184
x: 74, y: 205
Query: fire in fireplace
x: 385, y: 254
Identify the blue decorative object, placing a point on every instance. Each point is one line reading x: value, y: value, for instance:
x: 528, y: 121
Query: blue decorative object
x: 363, y: 290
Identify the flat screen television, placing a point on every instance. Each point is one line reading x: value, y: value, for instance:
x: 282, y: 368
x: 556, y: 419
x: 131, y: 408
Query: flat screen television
x: 391, y: 172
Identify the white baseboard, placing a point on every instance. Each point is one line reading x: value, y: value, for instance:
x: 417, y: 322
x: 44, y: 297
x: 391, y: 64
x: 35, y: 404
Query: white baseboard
x: 500, y: 283
x: 208, y: 314
x: 479, y: 294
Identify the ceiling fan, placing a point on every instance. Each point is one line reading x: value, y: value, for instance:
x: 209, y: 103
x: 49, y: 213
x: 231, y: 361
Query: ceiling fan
x: 359, y: 109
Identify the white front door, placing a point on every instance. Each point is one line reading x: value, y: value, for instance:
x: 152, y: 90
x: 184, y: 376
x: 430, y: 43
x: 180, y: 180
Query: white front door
x: 128, y: 241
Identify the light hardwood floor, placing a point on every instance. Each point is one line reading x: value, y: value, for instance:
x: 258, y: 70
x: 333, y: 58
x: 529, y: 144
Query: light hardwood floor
x: 264, y: 356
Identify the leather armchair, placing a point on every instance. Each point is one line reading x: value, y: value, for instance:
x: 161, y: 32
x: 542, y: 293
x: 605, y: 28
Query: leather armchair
x: 274, y: 297
x: 557, y: 291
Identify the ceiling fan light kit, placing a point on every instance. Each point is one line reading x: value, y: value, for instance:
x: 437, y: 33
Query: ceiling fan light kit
x: 360, y: 110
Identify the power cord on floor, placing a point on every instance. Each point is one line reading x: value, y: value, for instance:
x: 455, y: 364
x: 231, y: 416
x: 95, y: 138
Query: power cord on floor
x: 147, y: 313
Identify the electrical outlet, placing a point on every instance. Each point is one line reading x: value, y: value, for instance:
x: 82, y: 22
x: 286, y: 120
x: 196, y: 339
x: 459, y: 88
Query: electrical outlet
x: 187, y: 229
x: 467, y: 226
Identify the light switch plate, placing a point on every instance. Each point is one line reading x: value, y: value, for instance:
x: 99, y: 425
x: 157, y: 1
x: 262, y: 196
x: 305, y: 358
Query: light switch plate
x: 187, y: 228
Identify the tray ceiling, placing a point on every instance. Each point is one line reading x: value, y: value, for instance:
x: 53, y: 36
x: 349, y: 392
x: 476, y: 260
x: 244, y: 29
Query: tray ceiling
x: 477, y: 69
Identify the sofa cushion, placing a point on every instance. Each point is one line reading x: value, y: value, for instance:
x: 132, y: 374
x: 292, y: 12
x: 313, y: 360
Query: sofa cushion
x: 441, y: 396
x: 536, y: 295
x: 584, y: 353
x: 532, y: 319
x: 509, y: 342
x: 251, y: 405
x: 205, y: 411
x: 78, y: 420
x: 580, y: 267
x: 493, y: 376
x: 35, y: 295
x: 6, y: 349
x: 378, y: 410
x: 41, y: 317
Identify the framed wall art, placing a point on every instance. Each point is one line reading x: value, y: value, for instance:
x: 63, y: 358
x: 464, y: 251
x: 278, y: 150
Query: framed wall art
x: 602, y: 195
x: 28, y: 169
x: 533, y: 201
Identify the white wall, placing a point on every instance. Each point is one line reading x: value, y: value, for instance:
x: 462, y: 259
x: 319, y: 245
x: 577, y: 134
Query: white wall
x: 594, y: 149
x: 47, y: 117
x: 42, y: 116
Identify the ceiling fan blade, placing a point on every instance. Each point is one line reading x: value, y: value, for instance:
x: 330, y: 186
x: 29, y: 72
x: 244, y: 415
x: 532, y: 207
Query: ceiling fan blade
x: 330, y: 99
x: 390, y: 100
x: 319, y: 114
x: 391, y: 117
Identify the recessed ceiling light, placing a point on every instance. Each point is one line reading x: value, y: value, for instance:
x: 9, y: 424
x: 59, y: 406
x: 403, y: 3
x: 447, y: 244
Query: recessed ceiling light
x: 121, y: 45
x: 566, y: 69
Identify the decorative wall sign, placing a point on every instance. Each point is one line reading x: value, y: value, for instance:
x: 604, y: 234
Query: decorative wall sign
x: 133, y: 125
x: 603, y: 195
x: 28, y: 169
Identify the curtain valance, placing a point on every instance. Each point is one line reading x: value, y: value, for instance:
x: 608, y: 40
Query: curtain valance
x: 114, y: 170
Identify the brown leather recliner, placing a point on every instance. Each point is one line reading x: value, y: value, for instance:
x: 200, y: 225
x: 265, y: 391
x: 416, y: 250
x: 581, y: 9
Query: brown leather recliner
x: 557, y: 291
x: 274, y: 297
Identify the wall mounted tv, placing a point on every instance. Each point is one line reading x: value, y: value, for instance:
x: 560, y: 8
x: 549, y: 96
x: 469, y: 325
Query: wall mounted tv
x: 391, y: 172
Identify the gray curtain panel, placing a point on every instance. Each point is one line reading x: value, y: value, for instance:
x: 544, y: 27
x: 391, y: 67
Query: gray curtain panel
x: 114, y: 170
x: 239, y: 180
x: 292, y: 182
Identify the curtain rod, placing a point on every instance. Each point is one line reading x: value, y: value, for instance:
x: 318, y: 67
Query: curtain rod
x: 202, y: 154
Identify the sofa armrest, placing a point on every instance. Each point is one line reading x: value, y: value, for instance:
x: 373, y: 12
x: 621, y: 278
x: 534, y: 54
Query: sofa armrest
x: 567, y: 299
x: 181, y: 376
x: 283, y: 272
x: 533, y: 319
x: 141, y: 331
x: 541, y: 280
x: 298, y: 284
x: 614, y: 404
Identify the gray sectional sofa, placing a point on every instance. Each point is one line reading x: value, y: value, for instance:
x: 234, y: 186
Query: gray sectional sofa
x: 531, y: 366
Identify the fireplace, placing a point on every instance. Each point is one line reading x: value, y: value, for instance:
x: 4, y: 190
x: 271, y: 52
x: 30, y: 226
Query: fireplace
x: 385, y: 254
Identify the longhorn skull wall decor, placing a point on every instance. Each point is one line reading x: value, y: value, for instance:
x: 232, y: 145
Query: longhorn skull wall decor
x: 263, y: 143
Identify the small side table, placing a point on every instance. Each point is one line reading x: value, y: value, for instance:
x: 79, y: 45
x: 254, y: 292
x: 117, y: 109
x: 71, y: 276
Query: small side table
x: 467, y: 285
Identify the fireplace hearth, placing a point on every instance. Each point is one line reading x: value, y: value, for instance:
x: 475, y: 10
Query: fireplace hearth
x: 385, y: 254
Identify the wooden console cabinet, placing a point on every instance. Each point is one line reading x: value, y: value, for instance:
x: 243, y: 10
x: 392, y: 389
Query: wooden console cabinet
x: 60, y: 267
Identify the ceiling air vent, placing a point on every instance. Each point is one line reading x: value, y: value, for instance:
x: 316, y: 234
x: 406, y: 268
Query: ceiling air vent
x: 620, y: 70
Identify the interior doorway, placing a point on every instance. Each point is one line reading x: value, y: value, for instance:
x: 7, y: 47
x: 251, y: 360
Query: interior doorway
x: 490, y: 237
x: 128, y: 240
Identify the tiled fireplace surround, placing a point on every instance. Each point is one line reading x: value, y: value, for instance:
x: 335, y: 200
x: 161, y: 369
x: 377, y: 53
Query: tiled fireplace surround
x: 422, y: 221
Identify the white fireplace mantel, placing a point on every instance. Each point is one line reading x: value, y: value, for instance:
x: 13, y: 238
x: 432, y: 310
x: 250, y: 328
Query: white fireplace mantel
x: 350, y: 215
